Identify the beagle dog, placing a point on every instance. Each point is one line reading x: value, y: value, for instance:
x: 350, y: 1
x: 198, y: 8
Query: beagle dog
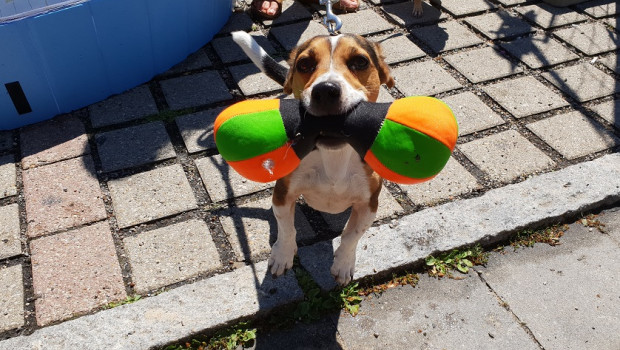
x: 329, y: 75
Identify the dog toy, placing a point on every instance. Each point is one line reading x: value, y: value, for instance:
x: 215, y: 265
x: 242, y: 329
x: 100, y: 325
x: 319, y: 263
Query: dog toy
x: 407, y: 141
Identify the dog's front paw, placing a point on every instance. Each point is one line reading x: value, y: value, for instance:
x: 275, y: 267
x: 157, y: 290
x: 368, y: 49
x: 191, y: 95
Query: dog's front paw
x: 343, y: 267
x: 281, y: 258
x: 417, y: 10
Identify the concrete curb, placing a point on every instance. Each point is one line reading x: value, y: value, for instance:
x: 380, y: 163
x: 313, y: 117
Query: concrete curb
x: 216, y: 301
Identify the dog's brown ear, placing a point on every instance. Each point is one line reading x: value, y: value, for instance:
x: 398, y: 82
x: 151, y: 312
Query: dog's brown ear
x: 288, y: 83
x: 385, y: 76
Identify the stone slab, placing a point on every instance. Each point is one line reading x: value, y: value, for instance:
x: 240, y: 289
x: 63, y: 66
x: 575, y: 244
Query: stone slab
x: 170, y: 254
x: 195, y: 90
x: 609, y: 111
x: 251, y: 228
x: 584, y: 270
x: 384, y: 95
x: 75, y: 272
x: 599, y: 8
x: 11, y: 298
x: 130, y: 105
x: 291, y: 11
x: 62, y: 195
x: 397, y: 47
x: 573, y: 134
x: 8, y: 176
x: 223, y: 182
x: 472, y: 115
x: 423, y: 78
x: 294, y: 34
x: 499, y: 25
x: 363, y: 23
x: 590, y: 38
x: 612, y: 62
x: 436, y: 314
x: 496, y: 65
x: 133, y: 146
x: 6, y: 140
x: 10, y: 237
x: 539, y: 51
x: 460, y: 8
x: 54, y: 140
x: 506, y: 156
x: 197, y: 129
x: 252, y: 81
x: 548, y: 16
x: 524, y: 96
x: 611, y: 220
x: 151, y: 195
x: 237, y: 21
x: 490, y: 218
x: 402, y: 13
x: 321, y: 334
x: 446, y: 36
x: 512, y: 2
x: 388, y: 206
x: 156, y: 321
x: 454, y: 180
x: 570, y: 80
x: 195, y: 61
x: 229, y: 51
x: 612, y: 22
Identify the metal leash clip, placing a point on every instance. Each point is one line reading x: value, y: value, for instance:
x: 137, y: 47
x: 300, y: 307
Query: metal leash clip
x: 331, y: 21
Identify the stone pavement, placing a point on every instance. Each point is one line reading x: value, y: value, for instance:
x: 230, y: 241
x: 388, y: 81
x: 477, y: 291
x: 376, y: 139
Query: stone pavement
x: 129, y: 196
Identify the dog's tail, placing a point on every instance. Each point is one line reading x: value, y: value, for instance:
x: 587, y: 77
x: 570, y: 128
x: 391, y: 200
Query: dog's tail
x: 261, y: 59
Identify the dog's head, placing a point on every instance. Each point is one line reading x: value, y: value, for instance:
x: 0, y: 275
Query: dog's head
x: 332, y: 74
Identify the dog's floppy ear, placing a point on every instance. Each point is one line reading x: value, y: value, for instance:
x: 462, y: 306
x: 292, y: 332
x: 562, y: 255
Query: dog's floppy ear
x: 288, y: 83
x: 385, y: 76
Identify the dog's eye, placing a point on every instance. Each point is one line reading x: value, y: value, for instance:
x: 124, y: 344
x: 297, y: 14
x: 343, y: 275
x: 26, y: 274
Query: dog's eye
x: 306, y: 65
x: 358, y: 63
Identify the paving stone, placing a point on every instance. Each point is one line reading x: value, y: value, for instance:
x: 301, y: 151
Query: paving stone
x: 53, y: 140
x: 548, y: 16
x: 530, y: 281
x: 512, y: 2
x: 446, y: 36
x: 363, y: 23
x: 229, y: 51
x: 252, y: 81
x: 600, y: 8
x: 454, y: 180
x: 223, y: 182
x: 8, y: 176
x: 197, y: 129
x: 294, y: 34
x: 196, y: 60
x: 11, y: 298
x: 612, y: 62
x: 133, y: 146
x: 171, y: 254
x: 471, y: 113
x: 423, y: 78
x: 237, y: 21
x: 460, y: 8
x: 571, y: 81
x: 539, y: 51
x: 195, y: 90
x: 499, y: 25
x: 251, y: 229
x: 590, y: 38
x: 130, y: 105
x: 506, y: 156
x: 496, y: 65
x: 320, y: 334
x: 402, y: 13
x: 397, y: 47
x: 151, y: 195
x: 612, y: 22
x: 524, y: 96
x: 62, y: 195
x: 10, y: 240
x: 291, y: 11
x: 388, y: 206
x: 75, y: 272
x: 609, y: 111
x: 445, y: 313
x: 384, y: 95
x: 6, y: 140
x: 573, y: 134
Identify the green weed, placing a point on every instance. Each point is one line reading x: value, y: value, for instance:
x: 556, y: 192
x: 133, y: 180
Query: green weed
x: 130, y: 299
x: 457, y: 259
x: 550, y: 235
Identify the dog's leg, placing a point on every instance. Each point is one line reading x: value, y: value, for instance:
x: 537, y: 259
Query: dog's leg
x: 285, y: 247
x: 417, y: 8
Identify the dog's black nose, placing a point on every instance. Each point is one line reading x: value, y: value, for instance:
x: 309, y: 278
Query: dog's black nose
x: 327, y: 94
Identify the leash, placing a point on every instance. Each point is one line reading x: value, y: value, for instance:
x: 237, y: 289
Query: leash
x: 331, y: 21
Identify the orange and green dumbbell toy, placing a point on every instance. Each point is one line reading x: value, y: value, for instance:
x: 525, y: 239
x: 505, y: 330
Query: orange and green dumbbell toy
x: 407, y: 141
